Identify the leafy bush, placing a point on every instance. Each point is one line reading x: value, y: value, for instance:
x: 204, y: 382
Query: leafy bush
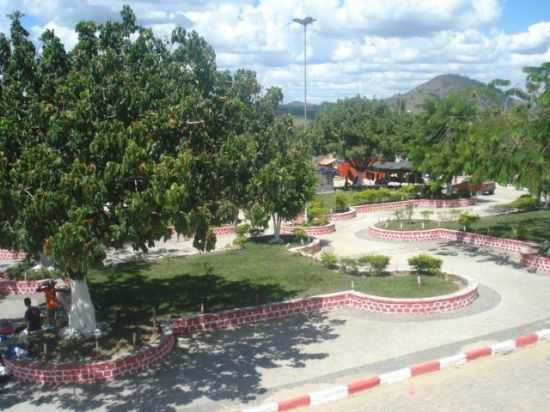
x: 317, y: 213
x: 348, y: 265
x: 342, y: 203
x: 241, y: 238
x: 408, y: 191
x: 376, y: 264
x: 377, y: 196
x: 467, y: 220
x: 524, y: 202
x: 426, y: 265
x: 24, y: 270
x: 432, y: 190
x: 258, y: 217
x: 300, y: 234
x: 329, y: 260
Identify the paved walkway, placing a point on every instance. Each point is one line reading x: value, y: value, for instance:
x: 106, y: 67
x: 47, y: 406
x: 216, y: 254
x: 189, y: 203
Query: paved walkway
x: 512, y: 383
x: 276, y: 360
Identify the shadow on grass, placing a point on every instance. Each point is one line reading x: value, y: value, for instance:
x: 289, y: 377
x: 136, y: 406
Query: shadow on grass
x: 131, y: 298
x: 222, y: 367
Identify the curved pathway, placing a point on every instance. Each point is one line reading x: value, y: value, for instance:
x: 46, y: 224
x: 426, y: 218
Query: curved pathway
x: 275, y: 360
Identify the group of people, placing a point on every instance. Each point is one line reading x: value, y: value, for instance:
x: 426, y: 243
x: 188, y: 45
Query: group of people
x: 56, y: 299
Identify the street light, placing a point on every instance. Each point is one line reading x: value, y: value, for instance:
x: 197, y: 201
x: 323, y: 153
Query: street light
x: 305, y: 22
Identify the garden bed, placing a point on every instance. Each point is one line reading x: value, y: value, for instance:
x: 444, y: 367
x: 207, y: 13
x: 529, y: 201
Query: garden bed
x: 523, y: 226
x: 310, y: 230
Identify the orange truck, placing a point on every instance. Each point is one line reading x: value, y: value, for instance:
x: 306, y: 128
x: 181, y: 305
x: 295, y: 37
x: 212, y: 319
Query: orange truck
x: 485, y: 188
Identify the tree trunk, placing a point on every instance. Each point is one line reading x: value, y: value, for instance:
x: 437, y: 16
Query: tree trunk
x: 277, y: 221
x: 82, y: 314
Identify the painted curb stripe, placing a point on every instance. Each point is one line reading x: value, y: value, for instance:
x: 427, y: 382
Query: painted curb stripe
x: 340, y: 392
x: 423, y: 368
x: 526, y: 340
x: 294, y: 403
x: 268, y: 407
x: 504, y: 347
x: 455, y: 360
x: 328, y: 395
x: 395, y: 376
x: 543, y: 334
x: 478, y: 353
x: 363, y: 385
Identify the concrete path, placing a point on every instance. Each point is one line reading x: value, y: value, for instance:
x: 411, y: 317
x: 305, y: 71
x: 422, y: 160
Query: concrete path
x: 276, y: 360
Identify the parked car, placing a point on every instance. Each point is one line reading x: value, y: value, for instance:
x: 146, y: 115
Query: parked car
x: 485, y: 188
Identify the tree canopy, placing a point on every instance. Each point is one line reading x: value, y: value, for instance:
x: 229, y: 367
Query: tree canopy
x: 116, y: 140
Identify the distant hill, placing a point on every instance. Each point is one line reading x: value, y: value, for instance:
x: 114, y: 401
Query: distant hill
x: 442, y: 86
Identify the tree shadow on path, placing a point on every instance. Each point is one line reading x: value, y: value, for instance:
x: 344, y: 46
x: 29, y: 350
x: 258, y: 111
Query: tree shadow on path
x: 483, y: 254
x: 221, y: 367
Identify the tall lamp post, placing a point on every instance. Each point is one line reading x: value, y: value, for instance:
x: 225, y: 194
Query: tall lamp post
x: 305, y: 22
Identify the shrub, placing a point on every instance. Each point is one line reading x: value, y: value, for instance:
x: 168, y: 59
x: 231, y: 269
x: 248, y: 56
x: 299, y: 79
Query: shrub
x: 467, y: 220
x: 300, y: 234
x: 342, y: 203
x: 383, y: 195
x: 426, y: 265
x: 396, y: 196
x: 348, y: 265
x: 317, y: 215
x: 329, y: 260
x: 241, y: 238
x: 258, y: 217
x: 524, y: 202
x: 408, y: 191
x: 432, y: 190
x: 24, y: 270
x: 364, y: 196
x: 376, y: 264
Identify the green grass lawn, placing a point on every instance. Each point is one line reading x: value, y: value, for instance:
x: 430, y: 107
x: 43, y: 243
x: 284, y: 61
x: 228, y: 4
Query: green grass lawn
x: 530, y: 226
x: 126, y: 295
x: 258, y: 274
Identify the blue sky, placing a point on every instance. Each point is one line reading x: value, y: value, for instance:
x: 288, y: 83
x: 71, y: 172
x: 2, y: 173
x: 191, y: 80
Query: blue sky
x: 518, y: 15
x: 372, y: 47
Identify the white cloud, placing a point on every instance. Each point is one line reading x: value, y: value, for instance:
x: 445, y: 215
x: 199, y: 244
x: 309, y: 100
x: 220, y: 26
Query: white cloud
x: 370, y: 47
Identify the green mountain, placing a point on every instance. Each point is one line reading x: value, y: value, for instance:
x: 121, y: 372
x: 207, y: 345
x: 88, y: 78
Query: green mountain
x: 445, y: 84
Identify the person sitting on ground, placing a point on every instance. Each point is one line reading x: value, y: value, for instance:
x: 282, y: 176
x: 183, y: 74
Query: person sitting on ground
x: 32, y: 317
x: 51, y: 299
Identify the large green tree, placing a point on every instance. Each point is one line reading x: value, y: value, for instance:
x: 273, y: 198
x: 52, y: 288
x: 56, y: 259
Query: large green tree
x: 111, y: 143
x: 285, y: 178
x: 442, y: 146
x: 513, y: 143
x: 360, y: 130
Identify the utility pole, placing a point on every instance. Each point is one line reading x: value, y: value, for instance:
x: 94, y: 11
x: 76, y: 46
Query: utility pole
x: 305, y: 22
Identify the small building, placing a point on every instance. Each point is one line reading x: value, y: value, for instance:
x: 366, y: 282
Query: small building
x: 400, y: 171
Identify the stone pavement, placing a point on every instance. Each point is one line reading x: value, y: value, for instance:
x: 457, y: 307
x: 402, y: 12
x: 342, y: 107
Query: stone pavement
x: 513, y: 383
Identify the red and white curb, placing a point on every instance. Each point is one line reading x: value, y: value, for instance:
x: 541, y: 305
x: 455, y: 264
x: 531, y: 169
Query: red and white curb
x: 343, y: 391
